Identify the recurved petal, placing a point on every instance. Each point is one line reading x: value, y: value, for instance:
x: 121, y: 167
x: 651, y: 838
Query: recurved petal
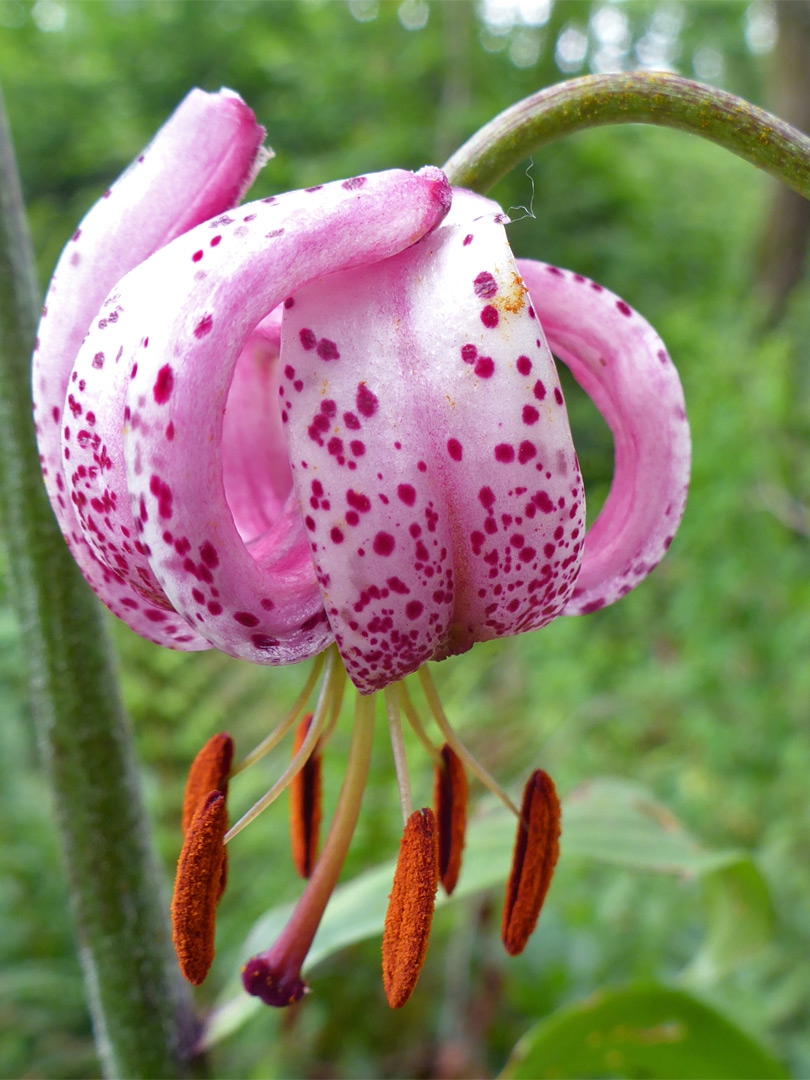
x: 441, y: 494
x: 196, y: 166
x: 182, y: 320
x: 255, y: 469
x: 621, y: 362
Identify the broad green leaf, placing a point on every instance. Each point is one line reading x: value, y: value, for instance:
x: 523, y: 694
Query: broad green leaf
x: 739, y: 920
x: 644, y: 1031
x: 610, y: 820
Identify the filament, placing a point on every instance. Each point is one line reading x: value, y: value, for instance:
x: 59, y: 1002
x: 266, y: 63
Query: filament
x: 338, y: 687
x: 453, y: 740
x: 412, y: 716
x: 398, y: 747
x: 299, y: 759
x: 274, y: 738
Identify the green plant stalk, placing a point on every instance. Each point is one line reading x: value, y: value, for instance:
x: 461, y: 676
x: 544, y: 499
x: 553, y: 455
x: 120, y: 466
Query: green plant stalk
x: 142, y: 1015
x: 636, y: 97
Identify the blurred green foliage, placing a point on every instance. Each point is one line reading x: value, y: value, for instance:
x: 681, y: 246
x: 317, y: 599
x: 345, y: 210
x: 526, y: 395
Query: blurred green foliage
x: 694, y: 686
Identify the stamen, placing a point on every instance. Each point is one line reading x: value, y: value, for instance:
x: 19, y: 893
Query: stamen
x: 537, y: 846
x: 412, y: 717
x: 209, y: 772
x: 305, y: 806
x: 197, y: 889
x: 274, y: 975
x: 477, y: 770
x: 299, y: 759
x: 398, y: 747
x: 450, y: 803
x: 274, y: 738
x: 410, y: 907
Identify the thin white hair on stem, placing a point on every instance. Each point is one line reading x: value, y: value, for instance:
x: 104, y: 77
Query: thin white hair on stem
x: 528, y: 211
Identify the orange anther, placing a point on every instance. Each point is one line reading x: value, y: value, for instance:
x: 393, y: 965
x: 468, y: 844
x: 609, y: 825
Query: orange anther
x: 410, y: 907
x: 537, y: 846
x: 197, y: 888
x: 450, y: 804
x: 209, y: 772
x: 305, y: 806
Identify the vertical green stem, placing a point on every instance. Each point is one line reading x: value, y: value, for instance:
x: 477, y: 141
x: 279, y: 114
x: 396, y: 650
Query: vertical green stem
x: 142, y: 1016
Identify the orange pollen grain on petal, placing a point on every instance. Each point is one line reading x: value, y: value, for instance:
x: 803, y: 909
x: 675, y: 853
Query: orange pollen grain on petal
x: 410, y: 907
x: 197, y: 888
x: 537, y: 845
x: 305, y: 806
x: 209, y: 772
x: 450, y: 805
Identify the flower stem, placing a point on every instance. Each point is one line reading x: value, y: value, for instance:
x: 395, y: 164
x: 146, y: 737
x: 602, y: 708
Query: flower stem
x: 142, y: 1016
x: 635, y: 97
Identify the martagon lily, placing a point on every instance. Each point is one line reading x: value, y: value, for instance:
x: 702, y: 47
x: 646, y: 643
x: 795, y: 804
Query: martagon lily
x: 328, y: 424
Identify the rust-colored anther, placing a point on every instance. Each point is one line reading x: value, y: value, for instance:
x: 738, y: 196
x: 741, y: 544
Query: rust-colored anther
x: 209, y: 772
x: 450, y: 805
x: 537, y: 846
x: 305, y: 806
x: 410, y: 907
x: 197, y: 888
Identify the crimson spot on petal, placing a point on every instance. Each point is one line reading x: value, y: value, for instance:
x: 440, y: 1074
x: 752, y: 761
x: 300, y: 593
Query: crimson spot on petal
x: 367, y: 401
x: 485, y: 285
x: 203, y: 327
x: 383, y: 543
x: 327, y: 350
x: 164, y: 384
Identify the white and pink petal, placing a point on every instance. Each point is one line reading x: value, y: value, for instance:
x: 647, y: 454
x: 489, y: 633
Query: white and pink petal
x: 183, y: 318
x: 621, y: 362
x: 197, y: 165
x: 431, y: 451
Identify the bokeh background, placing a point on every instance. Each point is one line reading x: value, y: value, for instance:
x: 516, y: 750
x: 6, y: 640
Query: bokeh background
x: 677, y: 718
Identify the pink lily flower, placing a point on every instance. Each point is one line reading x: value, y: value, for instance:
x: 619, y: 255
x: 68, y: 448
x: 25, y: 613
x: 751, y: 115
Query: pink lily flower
x: 333, y: 415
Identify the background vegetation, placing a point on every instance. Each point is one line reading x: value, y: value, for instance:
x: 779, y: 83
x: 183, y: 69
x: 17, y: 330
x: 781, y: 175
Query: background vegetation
x: 691, y: 694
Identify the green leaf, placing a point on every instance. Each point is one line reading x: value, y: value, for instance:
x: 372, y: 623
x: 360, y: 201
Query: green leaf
x: 640, y: 1031
x: 609, y: 820
x: 739, y: 917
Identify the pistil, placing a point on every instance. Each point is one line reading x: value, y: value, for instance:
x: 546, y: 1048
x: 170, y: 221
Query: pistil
x: 275, y: 975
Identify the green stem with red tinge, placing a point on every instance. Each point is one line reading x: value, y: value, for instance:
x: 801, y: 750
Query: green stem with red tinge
x: 634, y: 97
x: 142, y: 1015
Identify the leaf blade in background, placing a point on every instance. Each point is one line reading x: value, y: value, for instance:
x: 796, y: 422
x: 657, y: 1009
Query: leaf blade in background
x: 609, y: 820
x: 640, y: 1031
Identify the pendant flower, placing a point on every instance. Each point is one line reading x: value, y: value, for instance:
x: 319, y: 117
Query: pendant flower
x: 333, y: 416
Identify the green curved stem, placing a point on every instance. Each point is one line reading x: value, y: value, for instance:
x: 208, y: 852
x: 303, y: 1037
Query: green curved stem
x: 636, y: 97
x: 142, y: 1016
